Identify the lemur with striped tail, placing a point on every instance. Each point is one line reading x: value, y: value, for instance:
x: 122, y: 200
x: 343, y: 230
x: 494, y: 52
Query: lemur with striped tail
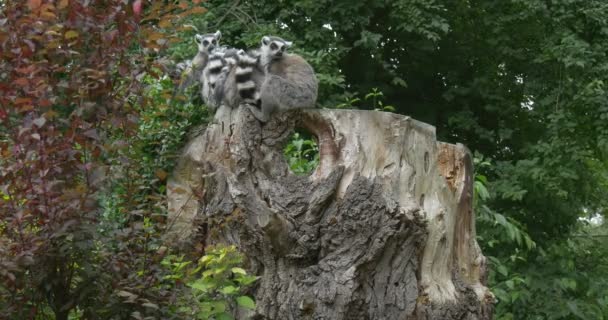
x: 207, y: 44
x: 289, y: 82
x: 239, y: 81
x: 218, y: 61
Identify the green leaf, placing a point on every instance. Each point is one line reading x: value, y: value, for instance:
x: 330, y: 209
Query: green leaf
x: 218, y: 307
x: 228, y: 290
x: 574, y: 309
x: 238, y: 270
x: 481, y: 190
x: 245, y: 302
x: 223, y: 316
x: 399, y: 82
x: 71, y: 34
x: 201, y: 285
x: 502, y: 269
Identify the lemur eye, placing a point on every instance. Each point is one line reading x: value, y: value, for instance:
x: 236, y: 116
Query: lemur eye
x: 205, y: 43
x: 214, y: 42
x: 282, y: 48
x: 273, y: 46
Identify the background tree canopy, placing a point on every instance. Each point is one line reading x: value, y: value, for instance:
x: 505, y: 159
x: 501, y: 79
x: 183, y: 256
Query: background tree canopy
x: 522, y: 83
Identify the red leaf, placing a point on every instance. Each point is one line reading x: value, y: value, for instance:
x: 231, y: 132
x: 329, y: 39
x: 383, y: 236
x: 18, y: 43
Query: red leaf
x: 45, y: 103
x: 161, y: 174
x: 62, y: 4
x: 137, y: 8
x: 34, y: 4
x: 197, y: 10
x: 26, y: 70
x: 22, y: 82
x: 25, y: 108
x: 23, y: 100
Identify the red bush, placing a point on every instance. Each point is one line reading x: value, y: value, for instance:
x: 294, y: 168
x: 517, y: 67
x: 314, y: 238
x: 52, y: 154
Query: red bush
x: 70, y: 74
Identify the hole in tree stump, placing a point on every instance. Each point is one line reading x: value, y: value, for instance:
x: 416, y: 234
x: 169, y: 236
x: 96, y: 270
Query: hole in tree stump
x: 302, y: 152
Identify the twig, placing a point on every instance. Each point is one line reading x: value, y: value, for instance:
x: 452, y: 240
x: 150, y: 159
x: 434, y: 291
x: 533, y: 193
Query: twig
x: 179, y: 213
x: 248, y: 16
x: 234, y: 5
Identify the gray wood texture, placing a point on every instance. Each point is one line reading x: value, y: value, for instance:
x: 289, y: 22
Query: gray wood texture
x: 382, y: 229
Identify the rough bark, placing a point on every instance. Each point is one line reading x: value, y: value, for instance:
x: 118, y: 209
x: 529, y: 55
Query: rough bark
x: 382, y: 229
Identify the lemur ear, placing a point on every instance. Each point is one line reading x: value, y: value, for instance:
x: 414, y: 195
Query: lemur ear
x: 288, y: 44
x: 217, y: 35
x: 266, y: 40
x: 198, y: 38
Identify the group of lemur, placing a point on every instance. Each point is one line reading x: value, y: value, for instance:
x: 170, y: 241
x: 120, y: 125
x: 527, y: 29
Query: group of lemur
x: 266, y: 79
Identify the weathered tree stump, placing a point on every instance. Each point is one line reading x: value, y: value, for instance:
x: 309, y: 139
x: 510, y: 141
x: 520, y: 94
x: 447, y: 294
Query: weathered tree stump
x: 382, y: 229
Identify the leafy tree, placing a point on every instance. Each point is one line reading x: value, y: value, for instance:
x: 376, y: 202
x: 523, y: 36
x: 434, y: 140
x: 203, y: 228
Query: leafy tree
x: 72, y: 75
x: 521, y: 82
x: 83, y: 102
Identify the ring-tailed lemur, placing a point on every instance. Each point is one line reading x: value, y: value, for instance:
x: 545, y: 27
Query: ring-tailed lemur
x: 206, y: 43
x: 248, y: 77
x: 209, y: 76
x: 181, y: 67
x: 219, y: 64
x: 239, y: 81
x: 289, y: 81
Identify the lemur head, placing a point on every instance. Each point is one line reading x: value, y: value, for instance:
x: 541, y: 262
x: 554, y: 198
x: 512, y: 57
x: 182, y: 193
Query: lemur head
x: 274, y: 47
x: 207, y: 42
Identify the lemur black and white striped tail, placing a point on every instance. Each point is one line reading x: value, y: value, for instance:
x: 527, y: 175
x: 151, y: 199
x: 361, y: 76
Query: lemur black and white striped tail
x: 245, y: 83
x: 214, y: 67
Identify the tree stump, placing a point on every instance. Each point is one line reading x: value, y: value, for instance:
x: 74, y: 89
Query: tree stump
x: 382, y: 229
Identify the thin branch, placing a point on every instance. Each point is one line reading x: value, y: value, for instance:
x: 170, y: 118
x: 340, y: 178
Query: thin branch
x: 248, y: 16
x: 220, y: 20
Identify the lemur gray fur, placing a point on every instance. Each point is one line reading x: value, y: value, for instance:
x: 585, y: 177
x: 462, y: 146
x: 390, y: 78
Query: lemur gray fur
x: 206, y: 43
x: 249, y: 77
x: 289, y: 81
x: 219, y: 62
x: 238, y: 81
x: 183, y: 66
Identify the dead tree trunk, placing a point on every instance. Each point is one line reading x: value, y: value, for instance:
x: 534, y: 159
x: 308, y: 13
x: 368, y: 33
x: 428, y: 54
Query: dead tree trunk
x: 382, y: 229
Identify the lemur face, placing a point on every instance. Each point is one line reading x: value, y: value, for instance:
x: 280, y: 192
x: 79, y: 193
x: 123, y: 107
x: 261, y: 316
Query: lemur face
x: 274, y: 46
x: 207, y: 42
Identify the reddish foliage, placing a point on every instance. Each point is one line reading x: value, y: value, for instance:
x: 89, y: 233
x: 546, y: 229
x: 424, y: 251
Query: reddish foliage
x: 69, y: 73
x: 137, y: 8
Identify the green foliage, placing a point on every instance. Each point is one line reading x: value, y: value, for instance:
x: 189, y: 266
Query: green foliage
x: 376, y: 96
x: 496, y: 232
x: 567, y: 280
x: 496, y: 227
x: 149, y: 155
x: 564, y: 280
x: 302, y: 154
x: 521, y: 82
x: 214, y: 286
